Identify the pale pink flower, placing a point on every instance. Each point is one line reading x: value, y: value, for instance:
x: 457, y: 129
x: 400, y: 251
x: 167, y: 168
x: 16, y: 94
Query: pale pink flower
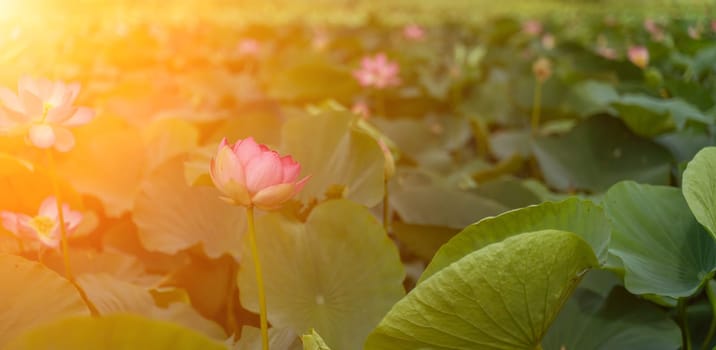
x: 713, y: 25
x: 43, y: 110
x: 639, y: 55
x: 532, y: 27
x: 548, y: 41
x: 250, y: 174
x: 378, y: 72
x: 607, y: 52
x: 361, y: 109
x: 694, y: 32
x: 249, y: 47
x: 413, y: 32
x: 657, y: 33
x: 45, y: 226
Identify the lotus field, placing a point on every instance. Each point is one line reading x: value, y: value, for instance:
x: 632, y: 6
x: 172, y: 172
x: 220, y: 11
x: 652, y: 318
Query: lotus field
x: 378, y: 181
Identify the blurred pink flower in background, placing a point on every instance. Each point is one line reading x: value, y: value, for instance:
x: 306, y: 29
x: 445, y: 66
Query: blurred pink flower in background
x: 603, y: 48
x: 713, y: 25
x: 639, y: 56
x: 43, y: 109
x: 548, y: 41
x: 378, y: 72
x: 413, y: 32
x: 248, y: 47
x: 657, y: 33
x: 45, y: 226
x: 607, y: 52
x: 361, y: 109
x: 694, y: 32
x: 532, y: 27
x: 250, y: 174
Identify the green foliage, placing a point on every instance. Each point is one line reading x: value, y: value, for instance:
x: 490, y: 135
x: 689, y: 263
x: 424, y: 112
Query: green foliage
x: 490, y: 298
x: 664, y: 250
x: 119, y: 332
x: 337, y: 273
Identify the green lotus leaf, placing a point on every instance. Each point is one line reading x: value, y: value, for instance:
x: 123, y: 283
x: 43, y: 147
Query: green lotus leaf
x: 32, y: 295
x: 665, y: 251
x: 573, y: 215
x: 338, y: 273
x: 118, y: 332
x: 598, y: 153
x: 504, y: 296
x: 172, y: 216
x: 356, y: 160
x: 699, y: 187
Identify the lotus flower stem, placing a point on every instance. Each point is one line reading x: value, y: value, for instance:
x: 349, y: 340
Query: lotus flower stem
x: 684, y: 323
x: 230, y: 317
x: 712, y: 328
x: 386, y: 209
x: 61, y: 217
x: 536, y: 106
x: 259, y: 278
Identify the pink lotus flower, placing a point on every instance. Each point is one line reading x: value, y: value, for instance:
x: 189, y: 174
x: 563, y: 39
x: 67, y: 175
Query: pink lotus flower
x: 45, y: 226
x: 413, y: 32
x: 378, y: 72
x: 249, y: 174
x: 639, y: 55
x: 532, y: 27
x: 43, y: 109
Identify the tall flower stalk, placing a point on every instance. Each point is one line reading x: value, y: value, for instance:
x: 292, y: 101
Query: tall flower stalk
x: 253, y: 176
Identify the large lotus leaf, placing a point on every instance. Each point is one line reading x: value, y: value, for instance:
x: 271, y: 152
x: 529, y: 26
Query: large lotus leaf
x: 432, y: 205
x: 504, y: 296
x: 618, y: 321
x: 311, y: 78
x: 508, y: 143
x: 108, y: 162
x: 31, y: 295
x: 429, y: 141
x: 508, y: 191
x: 118, y: 332
x: 664, y: 249
x: 592, y: 97
x: 584, y: 218
x: 121, y: 266
x: 598, y: 153
x: 699, y: 187
x: 334, y: 153
x: 259, y: 122
x: 338, y: 273
x: 172, y: 216
x: 110, y: 296
x: 279, y: 339
x: 167, y: 138
x: 650, y: 116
